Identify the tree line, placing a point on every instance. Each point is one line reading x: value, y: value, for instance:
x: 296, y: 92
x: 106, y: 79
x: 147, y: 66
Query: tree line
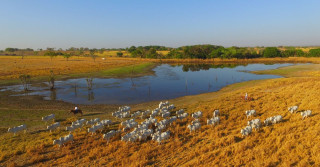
x: 213, y: 51
x: 184, y: 52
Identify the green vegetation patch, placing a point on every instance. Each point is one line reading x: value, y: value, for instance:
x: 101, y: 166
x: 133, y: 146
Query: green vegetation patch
x: 128, y: 70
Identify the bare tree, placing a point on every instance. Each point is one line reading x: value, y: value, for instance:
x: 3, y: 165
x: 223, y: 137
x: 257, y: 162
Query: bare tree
x: 89, y: 83
x: 25, y: 80
x: 51, y: 80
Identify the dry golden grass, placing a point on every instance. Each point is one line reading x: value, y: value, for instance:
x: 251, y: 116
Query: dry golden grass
x: 293, y: 142
x: 12, y: 66
x: 112, y: 53
x: 163, y: 52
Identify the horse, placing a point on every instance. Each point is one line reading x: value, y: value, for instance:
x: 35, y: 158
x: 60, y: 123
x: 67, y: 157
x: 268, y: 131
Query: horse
x: 76, y: 112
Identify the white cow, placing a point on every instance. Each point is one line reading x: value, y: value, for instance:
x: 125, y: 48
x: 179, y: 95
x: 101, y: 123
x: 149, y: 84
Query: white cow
x: 195, y: 125
x: 293, y: 109
x: 250, y: 113
x: 53, y: 126
x: 183, y: 116
x: 256, y: 124
x: 273, y: 120
x: 93, y: 121
x: 94, y: 128
x: 213, y: 121
x: 48, y: 117
x: 80, y: 121
x: 246, y: 131
x: 110, y: 134
x: 216, y: 113
x: 306, y: 113
x: 63, y: 140
x: 16, y: 129
x: 181, y: 111
x: 165, y: 115
x: 106, y: 122
x: 197, y: 114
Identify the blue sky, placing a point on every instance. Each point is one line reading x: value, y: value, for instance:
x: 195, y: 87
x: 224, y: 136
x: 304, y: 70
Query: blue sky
x: 123, y: 23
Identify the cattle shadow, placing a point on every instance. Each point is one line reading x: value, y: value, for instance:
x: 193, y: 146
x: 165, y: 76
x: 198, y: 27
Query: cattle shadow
x: 34, y: 163
x: 60, y: 120
x: 313, y: 114
x: 259, y: 114
x: 238, y: 139
x: 92, y: 114
x: 38, y: 131
x: 285, y: 120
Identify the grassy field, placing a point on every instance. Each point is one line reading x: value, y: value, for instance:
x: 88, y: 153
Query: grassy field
x: 112, y: 53
x: 293, y: 142
x: 39, y: 67
x: 294, y: 71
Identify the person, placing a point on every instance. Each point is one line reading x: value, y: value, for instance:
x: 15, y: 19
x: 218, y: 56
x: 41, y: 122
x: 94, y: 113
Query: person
x: 75, y: 108
x: 246, y: 96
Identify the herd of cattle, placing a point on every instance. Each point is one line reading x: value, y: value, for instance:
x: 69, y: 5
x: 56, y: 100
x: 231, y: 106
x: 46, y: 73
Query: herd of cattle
x: 151, y: 128
x: 256, y: 123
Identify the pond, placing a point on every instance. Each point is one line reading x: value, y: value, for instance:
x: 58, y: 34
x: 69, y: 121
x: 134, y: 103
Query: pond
x: 168, y: 81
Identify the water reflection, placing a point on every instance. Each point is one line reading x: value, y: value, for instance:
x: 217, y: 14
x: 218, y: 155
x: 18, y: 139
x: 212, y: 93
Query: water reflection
x: 198, y: 67
x: 75, y: 90
x: 90, y: 95
x: 53, y: 94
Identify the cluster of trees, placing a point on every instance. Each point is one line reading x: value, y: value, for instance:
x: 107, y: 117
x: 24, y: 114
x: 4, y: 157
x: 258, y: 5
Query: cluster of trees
x: 211, y: 51
x: 147, y: 51
x: 17, y: 49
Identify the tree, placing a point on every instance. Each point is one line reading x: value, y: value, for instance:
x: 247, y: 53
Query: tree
x: 119, y: 54
x: 101, y: 51
x: 152, y: 53
x: 137, y: 53
x: 72, y: 49
x: 92, y: 54
x: 175, y: 53
x: 216, y: 53
x: 80, y: 52
x: 11, y: 49
x: 25, y: 80
x: 22, y: 54
x: 92, y: 51
x: 289, y: 52
x: 300, y: 53
x: 132, y: 49
x: 51, y: 80
x: 314, y: 52
x: 67, y: 55
x: 271, y: 52
x: 50, y: 49
x: 51, y: 54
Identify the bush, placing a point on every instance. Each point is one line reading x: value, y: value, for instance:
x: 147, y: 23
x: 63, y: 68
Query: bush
x: 119, y: 54
x: 271, y: 52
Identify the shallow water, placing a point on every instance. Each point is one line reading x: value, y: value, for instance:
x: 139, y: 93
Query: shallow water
x: 168, y: 82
